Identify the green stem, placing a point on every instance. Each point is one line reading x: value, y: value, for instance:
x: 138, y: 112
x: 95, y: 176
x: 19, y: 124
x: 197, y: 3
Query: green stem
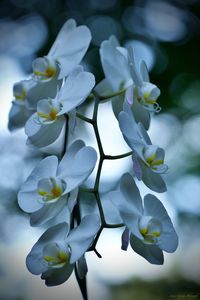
x: 103, y: 157
x: 109, y: 96
x: 96, y: 130
x: 118, y: 156
x: 114, y: 225
x: 82, y: 117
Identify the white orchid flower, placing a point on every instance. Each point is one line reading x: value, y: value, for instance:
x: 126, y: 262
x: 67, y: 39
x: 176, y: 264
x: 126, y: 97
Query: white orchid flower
x: 65, y: 54
x: 148, y: 159
x: 53, y: 185
x: 20, y: 110
x: 122, y: 74
x: 150, y: 227
x: 45, y: 126
x: 58, y: 249
x: 143, y: 90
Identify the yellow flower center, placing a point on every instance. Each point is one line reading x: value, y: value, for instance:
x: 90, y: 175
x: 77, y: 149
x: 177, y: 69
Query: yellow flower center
x: 22, y: 96
x: 49, y: 72
x: 56, y: 191
x: 52, y: 115
x: 60, y: 259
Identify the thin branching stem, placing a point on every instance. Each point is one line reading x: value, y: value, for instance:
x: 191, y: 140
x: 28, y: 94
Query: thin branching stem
x: 95, y: 190
x: 105, y: 98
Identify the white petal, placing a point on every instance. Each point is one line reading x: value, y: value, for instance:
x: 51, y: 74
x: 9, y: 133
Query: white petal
x: 117, y: 105
x: 115, y: 65
x: 155, y: 93
x: 34, y: 261
x: 129, y: 207
x: 28, y: 201
x: 68, y: 26
x: 18, y: 116
x: 88, y: 204
x: 27, y: 196
x: 43, y: 106
x: 144, y: 134
x: 151, y: 253
x: 129, y: 96
x: 75, y: 90
x: 47, y: 167
x: 141, y: 114
x: 144, y: 71
x: 47, y: 212
x: 54, y: 234
x: 72, y: 199
x: 136, y: 166
x: 131, y: 220
x: 110, y: 202
x: 129, y: 130
x: 77, y: 40
x: 82, y: 236
x: 123, y: 51
x: 57, y: 276
x: 168, y: 240
x: 133, y: 70
x: 103, y: 88
x: 153, y: 180
x: 43, y: 135
x: 69, y: 155
x: 42, y: 90
x: 77, y: 165
x: 131, y: 193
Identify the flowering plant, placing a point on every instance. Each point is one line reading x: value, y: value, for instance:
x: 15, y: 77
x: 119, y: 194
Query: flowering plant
x: 47, y: 105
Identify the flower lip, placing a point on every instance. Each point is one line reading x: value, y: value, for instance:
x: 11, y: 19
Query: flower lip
x: 150, y: 229
x: 147, y: 95
x: 56, y: 255
x: 152, y: 160
x: 50, y: 189
x: 44, y: 68
x: 48, y: 110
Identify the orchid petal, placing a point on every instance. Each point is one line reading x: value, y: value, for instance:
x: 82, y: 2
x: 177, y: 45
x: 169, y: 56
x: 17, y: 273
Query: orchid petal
x: 114, y: 64
x: 18, y: 116
x: 57, y: 276
x: 131, y: 193
x: 151, y: 253
x: 68, y: 26
x: 144, y: 71
x: 168, y: 240
x: 47, y: 212
x: 77, y: 165
x: 27, y: 196
x: 34, y: 261
x: 75, y: 90
x: 81, y: 237
x: 42, y: 135
x: 153, y: 180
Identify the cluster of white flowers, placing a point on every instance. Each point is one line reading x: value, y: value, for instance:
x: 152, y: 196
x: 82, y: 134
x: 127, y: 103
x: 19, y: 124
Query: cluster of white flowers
x: 46, y: 105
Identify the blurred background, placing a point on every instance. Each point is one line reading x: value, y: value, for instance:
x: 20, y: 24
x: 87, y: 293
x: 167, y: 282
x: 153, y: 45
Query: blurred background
x: 166, y: 34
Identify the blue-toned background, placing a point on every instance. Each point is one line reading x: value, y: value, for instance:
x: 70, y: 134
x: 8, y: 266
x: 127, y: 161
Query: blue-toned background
x: 166, y: 34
